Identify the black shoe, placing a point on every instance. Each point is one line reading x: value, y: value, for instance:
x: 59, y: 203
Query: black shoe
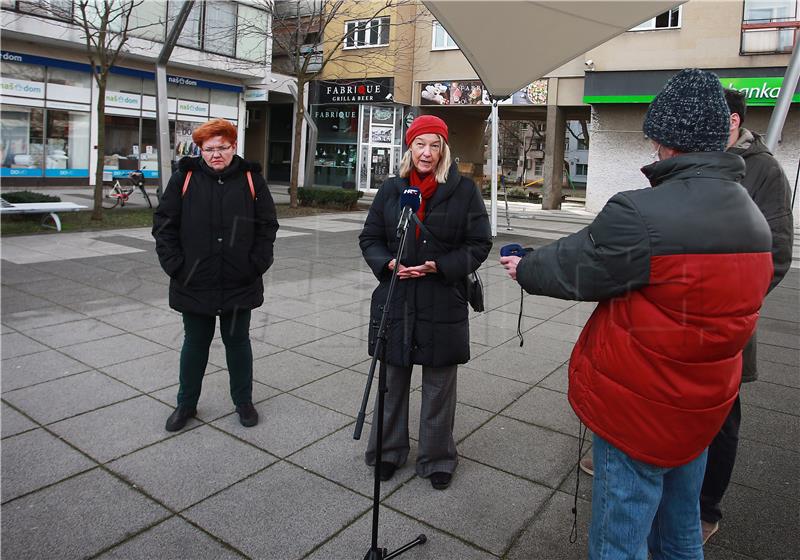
x: 441, y: 480
x: 248, y: 417
x: 177, y: 420
x: 386, y: 471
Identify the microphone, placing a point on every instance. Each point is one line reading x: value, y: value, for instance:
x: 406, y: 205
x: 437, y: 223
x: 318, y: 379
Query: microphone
x: 410, y: 200
x: 514, y: 250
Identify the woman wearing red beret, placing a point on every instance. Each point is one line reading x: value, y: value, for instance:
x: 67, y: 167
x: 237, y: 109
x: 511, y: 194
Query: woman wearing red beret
x: 428, y: 321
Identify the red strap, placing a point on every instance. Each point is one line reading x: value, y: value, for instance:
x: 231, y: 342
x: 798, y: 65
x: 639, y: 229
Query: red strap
x: 189, y: 176
x: 250, y: 182
x: 186, y: 183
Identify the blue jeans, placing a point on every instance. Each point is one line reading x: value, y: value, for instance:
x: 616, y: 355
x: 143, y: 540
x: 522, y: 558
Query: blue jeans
x: 636, y: 507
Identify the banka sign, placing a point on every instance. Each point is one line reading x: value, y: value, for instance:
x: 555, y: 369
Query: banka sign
x: 369, y: 90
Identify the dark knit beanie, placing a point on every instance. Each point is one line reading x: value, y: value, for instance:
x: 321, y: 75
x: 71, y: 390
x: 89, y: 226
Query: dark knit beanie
x: 690, y: 114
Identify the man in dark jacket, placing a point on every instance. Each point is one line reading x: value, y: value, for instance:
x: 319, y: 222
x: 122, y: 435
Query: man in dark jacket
x: 680, y: 271
x: 767, y: 185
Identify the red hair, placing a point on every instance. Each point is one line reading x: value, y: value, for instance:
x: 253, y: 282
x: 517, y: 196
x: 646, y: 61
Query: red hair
x: 215, y: 127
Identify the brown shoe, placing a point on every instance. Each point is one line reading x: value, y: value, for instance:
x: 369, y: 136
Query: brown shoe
x: 708, y: 529
x: 587, y: 465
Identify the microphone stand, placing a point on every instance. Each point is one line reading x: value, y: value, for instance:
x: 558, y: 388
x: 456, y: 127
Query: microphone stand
x: 375, y: 552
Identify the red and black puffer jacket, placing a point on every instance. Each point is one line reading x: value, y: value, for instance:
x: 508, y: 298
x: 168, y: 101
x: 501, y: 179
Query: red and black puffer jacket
x: 680, y: 271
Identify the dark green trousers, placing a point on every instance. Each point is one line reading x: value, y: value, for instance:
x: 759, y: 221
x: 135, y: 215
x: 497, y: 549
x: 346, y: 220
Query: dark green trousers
x: 198, y: 333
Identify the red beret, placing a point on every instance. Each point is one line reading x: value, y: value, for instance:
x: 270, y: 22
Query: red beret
x: 426, y: 124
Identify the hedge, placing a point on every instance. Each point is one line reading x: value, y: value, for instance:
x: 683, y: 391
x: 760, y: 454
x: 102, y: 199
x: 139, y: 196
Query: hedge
x: 23, y: 197
x: 321, y: 197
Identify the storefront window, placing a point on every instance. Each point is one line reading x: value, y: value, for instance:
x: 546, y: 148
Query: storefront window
x: 122, y: 145
x: 67, y: 144
x: 224, y: 104
x: 184, y: 146
x: 123, y: 83
x: 337, y: 145
x: 21, y: 141
x: 148, y: 149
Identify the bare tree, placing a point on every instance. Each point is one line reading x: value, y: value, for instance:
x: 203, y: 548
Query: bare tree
x: 105, y: 25
x: 520, y: 136
x: 307, y: 40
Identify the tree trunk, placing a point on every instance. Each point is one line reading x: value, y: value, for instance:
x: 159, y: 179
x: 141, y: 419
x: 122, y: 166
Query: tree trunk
x: 97, y: 212
x: 297, y: 145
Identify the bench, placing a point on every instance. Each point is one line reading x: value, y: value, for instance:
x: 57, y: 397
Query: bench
x: 50, y: 209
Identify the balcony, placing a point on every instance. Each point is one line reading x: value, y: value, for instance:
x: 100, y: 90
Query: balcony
x: 770, y: 37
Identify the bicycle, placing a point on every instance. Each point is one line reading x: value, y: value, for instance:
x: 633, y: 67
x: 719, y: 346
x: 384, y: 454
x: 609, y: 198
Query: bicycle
x: 116, y: 194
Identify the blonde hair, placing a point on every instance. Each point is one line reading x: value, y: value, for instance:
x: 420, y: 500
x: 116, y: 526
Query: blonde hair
x: 442, y: 169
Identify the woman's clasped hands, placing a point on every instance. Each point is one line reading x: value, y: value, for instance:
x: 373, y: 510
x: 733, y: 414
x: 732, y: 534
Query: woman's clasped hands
x: 406, y: 272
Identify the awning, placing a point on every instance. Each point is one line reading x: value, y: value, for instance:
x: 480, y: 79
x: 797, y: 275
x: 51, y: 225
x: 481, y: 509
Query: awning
x: 510, y: 44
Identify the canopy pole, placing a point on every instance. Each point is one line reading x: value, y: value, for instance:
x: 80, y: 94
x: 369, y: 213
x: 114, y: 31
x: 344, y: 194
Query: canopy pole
x: 494, y: 167
x: 784, y: 101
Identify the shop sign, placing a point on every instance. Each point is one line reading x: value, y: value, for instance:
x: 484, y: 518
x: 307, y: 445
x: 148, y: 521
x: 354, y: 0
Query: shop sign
x: 472, y: 92
x: 66, y: 173
x: 20, y: 172
x: 759, y: 91
x: 22, y: 88
x: 127, y: 100
x: 255, y: 95
x: 335, y: 113
x: 370, y: 90
x: 193, y: 108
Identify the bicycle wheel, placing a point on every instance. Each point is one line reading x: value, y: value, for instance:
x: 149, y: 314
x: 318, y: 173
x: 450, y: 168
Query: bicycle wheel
x: 110, y: 197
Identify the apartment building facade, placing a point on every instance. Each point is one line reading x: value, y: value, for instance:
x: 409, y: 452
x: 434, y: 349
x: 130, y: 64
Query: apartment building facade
x: 48, y: 117
x: 746, y: 42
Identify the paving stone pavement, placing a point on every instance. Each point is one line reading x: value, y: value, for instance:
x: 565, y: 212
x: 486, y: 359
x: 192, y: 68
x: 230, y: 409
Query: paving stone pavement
x: 89, y: 375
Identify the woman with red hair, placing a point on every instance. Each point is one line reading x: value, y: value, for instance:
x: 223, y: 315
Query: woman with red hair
x: 214, y: 230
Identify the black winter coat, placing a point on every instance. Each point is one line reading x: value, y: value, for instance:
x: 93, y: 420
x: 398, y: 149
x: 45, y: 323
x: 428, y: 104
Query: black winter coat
x: 767, y: 185
x: 428, y: 316
x: 215, y: 242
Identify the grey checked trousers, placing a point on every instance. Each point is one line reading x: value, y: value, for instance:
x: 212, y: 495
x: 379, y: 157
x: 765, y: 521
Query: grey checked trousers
x: 437, y: 448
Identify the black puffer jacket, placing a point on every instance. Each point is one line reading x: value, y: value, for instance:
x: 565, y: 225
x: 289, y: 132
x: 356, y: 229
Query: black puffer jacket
x: 428, y: 318
x: 767, y: 185
x: 215, y: 242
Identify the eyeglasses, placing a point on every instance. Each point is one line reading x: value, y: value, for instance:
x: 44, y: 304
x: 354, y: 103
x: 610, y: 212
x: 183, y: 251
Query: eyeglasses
x: 218, y: 150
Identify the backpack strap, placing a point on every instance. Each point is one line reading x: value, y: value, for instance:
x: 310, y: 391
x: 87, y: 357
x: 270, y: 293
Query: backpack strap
x: 189, y: 177
x: 250, y: 182
x: 186, y: 183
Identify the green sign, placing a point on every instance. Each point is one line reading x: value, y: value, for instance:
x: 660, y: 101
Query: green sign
x: 759, y: 91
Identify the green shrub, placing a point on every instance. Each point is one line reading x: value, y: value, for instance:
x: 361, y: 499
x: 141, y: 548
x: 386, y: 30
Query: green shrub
x: 321, y: 197
x: 23, y: 197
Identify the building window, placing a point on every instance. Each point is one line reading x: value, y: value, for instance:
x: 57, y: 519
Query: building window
x: 21, y: 141
x: 190, y: 34
x: 441, y: 39
x: 220, y: 28
x: 667, y: 20
x: 769, y: 27
x: 367, y: 33
x: 57, y: 9
x: 538, y: 164
x: 67, y: 144
x: 581, y: 169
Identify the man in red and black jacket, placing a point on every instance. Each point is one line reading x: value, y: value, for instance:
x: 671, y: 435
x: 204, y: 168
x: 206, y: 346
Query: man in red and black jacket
x: 680, y: 271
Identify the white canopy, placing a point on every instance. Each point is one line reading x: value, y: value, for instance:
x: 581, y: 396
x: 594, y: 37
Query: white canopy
x: 510, y: 44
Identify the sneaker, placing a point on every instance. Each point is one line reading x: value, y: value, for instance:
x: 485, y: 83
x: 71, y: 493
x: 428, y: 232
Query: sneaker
x: 708, y: 529
x: 177, y: 420
x: 248, y: 417
x: 441, y: 480
x: 587, y: 465
x: 386, y: 471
